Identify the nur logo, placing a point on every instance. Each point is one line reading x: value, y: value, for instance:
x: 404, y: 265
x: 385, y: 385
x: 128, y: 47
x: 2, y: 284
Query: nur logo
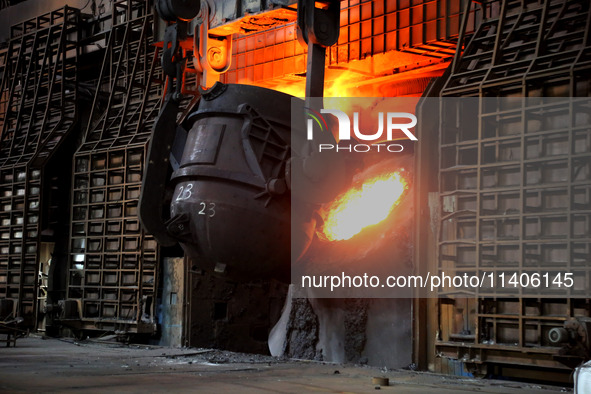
x: 389, y: 121
x: 314, y: 116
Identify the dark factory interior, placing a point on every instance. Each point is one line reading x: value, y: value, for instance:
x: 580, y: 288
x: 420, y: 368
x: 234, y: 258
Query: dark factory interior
x: 183, y: 178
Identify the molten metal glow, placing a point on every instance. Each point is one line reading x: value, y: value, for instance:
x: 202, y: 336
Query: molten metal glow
x: 362, y: 206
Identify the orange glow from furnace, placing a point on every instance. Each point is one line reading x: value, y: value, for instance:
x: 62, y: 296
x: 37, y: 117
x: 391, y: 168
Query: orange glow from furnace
x: 362, y: 206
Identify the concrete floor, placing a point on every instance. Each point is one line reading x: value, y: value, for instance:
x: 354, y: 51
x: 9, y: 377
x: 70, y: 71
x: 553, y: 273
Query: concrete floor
x: 65, y: 366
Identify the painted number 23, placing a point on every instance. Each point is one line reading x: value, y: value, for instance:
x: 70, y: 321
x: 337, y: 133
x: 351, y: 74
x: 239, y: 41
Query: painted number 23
x: 185, y: 192
x: 207, y: 209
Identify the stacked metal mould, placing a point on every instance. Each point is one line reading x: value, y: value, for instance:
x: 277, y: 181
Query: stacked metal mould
x: 113, y: 265
x: 515, y: 187
x: 38, y: 102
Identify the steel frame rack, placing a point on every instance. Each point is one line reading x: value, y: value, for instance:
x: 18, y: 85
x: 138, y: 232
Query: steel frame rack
x: 38, y: 98
x: 113, y: 269
x: 515, y: 185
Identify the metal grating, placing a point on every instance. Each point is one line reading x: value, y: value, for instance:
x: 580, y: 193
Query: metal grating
x: 532, y: 40
x: 515, y: 184
x: 113, y: 273
x: 368, y: 27
x: 38, y: 99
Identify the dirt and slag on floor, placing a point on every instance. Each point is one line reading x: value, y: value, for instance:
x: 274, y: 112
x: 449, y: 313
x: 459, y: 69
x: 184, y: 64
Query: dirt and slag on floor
x: 92, y: 366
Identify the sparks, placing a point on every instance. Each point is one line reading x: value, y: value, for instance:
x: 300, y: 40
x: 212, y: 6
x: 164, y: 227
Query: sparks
x: 362, y: 206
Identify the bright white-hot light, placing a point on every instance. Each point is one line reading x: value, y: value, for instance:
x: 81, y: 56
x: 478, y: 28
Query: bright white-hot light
x: 362, y: 206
